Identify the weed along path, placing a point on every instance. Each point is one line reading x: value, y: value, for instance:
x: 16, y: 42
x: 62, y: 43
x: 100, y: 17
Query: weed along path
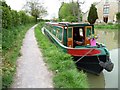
x: 31, y: 69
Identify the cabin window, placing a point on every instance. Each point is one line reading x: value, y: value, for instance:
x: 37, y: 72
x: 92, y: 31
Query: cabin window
x: 54, y: 31
x: 89, y: 31
x: 69, y: 32
x: 81, y: 32
x: 59, y: 33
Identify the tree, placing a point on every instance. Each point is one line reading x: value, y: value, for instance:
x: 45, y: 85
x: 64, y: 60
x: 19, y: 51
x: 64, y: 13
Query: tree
x: 92, y: 16
x: 35, y: 8
x: 118, y: 16
x: 79, y: 10
x: 69, y: 12
x: 59, y: 12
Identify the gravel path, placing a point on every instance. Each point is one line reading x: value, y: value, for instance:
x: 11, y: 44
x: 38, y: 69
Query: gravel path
x: 31, y: 69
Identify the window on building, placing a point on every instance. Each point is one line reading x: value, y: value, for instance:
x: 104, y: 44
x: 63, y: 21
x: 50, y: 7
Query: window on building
x: 106, y: 10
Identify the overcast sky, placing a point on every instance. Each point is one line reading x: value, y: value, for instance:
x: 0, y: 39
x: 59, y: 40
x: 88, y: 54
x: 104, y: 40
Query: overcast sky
x: 51, y: 5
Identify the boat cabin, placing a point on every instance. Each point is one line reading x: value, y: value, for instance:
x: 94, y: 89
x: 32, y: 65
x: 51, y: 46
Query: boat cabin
x: 71, y: 34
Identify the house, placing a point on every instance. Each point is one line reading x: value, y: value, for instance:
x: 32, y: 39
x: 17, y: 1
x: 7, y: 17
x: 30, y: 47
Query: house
x: 106, y: 9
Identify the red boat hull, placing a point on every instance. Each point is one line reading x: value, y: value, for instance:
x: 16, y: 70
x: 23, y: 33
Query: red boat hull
x: 81, y: 52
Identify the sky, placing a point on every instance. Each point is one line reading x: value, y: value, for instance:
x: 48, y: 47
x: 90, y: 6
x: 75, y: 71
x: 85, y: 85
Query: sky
x: 52, y: 6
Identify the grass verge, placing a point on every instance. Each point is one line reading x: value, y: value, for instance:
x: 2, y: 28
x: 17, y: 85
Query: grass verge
x: 65, y: 73
x: 107, y: 26
x: 10, y: 56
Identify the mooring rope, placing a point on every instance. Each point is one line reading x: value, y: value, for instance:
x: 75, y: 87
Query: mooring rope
x: 84, y: 55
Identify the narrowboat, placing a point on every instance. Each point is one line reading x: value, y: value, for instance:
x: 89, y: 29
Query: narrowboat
x: 79, y: 41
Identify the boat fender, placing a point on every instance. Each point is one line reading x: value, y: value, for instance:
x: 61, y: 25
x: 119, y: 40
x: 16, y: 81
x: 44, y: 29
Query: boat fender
x: 107, y: 65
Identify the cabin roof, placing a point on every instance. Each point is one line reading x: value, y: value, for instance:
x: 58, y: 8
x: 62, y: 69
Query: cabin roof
x: 68, y: 24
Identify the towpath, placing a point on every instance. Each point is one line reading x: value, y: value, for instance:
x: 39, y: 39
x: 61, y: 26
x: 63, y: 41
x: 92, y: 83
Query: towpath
x: 31, y: 72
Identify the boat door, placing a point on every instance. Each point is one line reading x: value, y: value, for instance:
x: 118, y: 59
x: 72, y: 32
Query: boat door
x: 88, y: 33
x: 70, y: 37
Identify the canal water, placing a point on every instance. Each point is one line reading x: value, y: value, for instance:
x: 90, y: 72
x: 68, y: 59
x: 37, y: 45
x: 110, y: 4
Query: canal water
x: 107, y: 79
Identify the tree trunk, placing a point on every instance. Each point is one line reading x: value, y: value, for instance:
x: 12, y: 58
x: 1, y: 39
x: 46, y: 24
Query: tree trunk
x: 36, y: 19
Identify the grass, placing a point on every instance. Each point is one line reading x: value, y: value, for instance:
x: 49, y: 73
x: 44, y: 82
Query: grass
x: 9, y: 56
x: 65, y: 72
x: 107, y: 26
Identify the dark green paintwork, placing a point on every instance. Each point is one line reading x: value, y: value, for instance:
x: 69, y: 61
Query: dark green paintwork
x: 65, y: 37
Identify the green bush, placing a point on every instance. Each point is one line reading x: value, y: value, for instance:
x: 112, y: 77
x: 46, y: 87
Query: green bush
x: 6, y: 18
x: 11, y: 20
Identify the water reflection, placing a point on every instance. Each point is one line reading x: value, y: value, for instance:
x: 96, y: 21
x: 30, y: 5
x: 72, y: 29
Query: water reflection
x: 108, y: 37
x: 107, y: 79
x: 96, y: 81
x: 111, y: 78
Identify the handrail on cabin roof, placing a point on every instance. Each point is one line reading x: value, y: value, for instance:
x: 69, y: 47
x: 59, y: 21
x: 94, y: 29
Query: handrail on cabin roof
x: 67, y: 23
